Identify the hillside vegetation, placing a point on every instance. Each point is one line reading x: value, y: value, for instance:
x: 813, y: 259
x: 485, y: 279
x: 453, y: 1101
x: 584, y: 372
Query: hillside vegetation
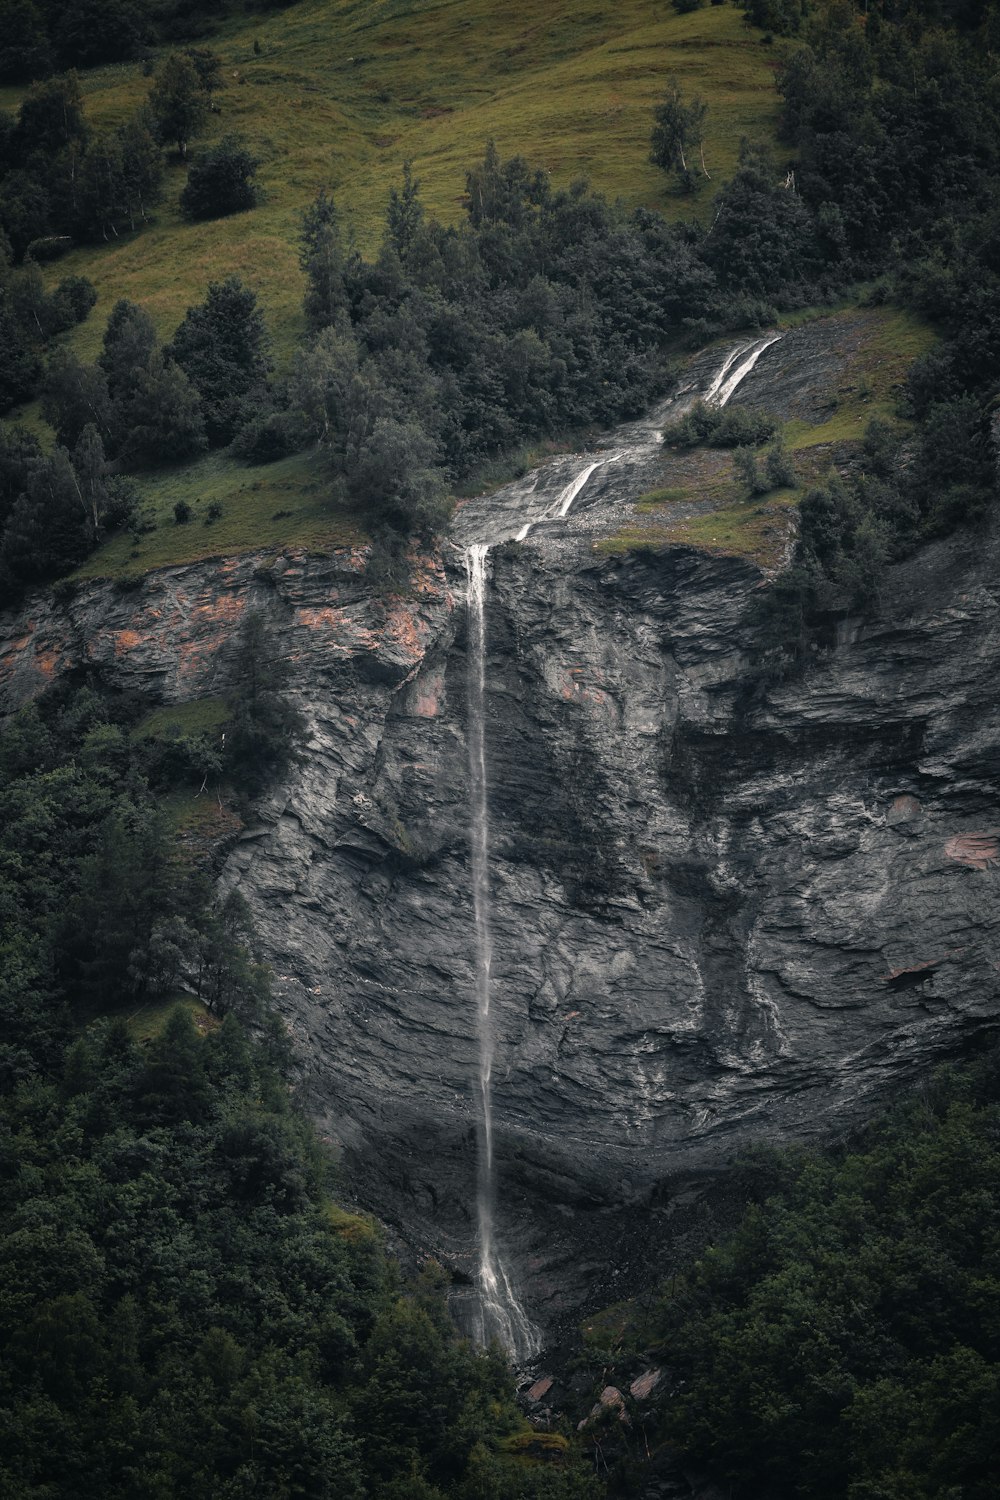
x: 342, y: 92
x: 843, y: 1341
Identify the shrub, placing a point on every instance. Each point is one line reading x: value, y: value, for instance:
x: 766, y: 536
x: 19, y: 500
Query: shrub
x: 268, y: 437
x: 221, y: 182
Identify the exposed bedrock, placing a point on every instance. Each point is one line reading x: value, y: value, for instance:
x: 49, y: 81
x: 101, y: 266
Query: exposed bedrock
x: 718, y: 915
x: 713, y: 920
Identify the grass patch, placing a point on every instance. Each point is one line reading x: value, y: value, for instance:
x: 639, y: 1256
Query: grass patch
x: 344, y: 91
x: 199, y: 716
x: 654, y: 500
x: 251, y: 498
x: 532, y: 1447
x: 892, y: 339
x: 200, y: 819
x: 608, y: 1328
x: 356, y: 1229
x: 149, y: 1020
x: 754, y: 529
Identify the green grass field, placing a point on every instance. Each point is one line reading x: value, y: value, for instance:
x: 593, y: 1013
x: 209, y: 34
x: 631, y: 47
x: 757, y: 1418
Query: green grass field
x: 342, y: 92
x: 285, y: 504
x: 149, y: 1021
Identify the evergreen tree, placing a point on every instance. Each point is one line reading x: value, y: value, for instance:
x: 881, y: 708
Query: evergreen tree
x: 221, y: 181
x: 321, y: 257
x: 223, y: 347
x: 404, y: 214
x: 46, y: 532
x: 161, y: 418
x: 129, y: 340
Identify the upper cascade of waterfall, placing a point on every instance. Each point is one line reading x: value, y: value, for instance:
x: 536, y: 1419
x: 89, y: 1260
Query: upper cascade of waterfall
x: 621, y: 468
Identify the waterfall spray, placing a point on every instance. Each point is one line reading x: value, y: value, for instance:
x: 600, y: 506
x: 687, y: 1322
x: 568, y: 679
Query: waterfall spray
x: 500, y: 1315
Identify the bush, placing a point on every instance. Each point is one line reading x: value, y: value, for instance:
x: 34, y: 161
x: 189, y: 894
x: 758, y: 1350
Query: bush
x: 268, y: 437
x: 720, y: 427
x: 182, y: 513
x: 747, y: 472
x: 77, y: 295
x: 778, y: 466
x: 221, y: 182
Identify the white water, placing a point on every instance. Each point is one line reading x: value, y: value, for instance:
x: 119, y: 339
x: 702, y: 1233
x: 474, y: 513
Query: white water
x: 499, y: 1314
x: 728, y: 378
x: 568, y: 495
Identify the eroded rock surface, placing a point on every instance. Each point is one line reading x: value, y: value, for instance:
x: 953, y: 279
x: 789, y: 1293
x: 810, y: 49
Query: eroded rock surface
x: 719, y: 914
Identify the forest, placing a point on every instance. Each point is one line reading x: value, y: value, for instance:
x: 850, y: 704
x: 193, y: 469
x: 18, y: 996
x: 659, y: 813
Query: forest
x: 185, y: 1310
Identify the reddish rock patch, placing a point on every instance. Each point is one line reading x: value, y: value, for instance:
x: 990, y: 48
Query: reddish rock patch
x: 644, y: 1384
x: 979, y: 851
x: 126, y: 640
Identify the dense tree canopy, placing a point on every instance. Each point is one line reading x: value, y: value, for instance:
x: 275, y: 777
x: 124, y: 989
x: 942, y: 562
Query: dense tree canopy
x: 846, y: 1341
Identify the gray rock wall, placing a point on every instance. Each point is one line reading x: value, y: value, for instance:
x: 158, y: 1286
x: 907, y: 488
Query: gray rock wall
x: 719, y: 915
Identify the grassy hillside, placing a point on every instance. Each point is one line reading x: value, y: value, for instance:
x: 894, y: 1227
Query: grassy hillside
x: 702, y: 506
x: 342, y: 92
x: 281, y: 504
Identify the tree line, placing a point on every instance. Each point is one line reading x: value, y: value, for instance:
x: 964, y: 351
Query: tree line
x: 845, y: 1340
x: 42, y: 37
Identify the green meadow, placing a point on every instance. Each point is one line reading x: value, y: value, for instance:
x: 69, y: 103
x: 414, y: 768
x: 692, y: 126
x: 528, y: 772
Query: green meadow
x: 337, y: 94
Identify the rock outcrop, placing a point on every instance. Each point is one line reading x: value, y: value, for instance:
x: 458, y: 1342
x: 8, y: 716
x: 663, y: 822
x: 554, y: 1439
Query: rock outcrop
x: 719, y: 914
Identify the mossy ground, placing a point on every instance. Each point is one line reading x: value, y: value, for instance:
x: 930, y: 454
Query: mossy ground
x: 357, y: 1229
x: 198, y: 716
x: 149, y: 1020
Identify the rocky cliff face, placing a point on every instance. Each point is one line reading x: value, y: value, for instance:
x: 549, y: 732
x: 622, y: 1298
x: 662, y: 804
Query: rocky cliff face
x: 718, y: 915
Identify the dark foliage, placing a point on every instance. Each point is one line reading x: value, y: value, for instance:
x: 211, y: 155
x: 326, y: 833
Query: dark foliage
x: 897, y: 128
x: 39, y: 37
x: 223, y: 348
x: 221, y: 182
x: 545, y: 310
x: 720, y: 427
x: 60, y: 181
x: 265, y: 727
x: 845, y: 1340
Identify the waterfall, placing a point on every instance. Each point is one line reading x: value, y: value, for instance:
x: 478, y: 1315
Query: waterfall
x: 735, y: 369
x: 499, y: 1315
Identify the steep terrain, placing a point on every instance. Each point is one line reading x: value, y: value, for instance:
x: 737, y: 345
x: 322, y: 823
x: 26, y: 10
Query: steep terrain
x: 720, y: 912
x: 338, y: 94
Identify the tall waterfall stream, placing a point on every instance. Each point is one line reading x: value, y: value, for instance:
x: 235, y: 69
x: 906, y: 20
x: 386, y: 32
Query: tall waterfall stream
x: 499, y: 1314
